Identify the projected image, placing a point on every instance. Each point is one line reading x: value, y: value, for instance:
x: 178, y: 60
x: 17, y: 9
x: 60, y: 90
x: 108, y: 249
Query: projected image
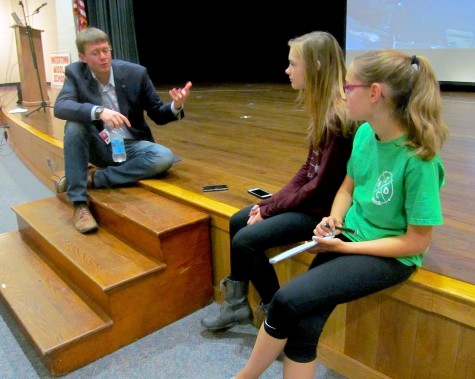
x: 418, y: 24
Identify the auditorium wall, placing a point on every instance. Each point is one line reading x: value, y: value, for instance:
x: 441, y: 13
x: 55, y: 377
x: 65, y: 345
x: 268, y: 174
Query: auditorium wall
x: 56, y: 22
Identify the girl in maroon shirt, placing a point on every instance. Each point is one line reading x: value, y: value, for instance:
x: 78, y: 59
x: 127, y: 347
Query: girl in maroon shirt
x: 317, y: 70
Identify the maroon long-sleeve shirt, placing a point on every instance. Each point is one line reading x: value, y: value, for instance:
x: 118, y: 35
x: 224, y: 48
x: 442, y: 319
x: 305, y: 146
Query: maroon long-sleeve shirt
x: 313, y: 188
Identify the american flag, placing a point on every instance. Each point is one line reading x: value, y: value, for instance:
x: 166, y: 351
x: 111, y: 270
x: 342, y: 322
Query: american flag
x: 79, y: 9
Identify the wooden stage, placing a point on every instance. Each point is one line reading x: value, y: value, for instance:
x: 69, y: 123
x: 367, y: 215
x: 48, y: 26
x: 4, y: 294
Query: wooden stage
x: 253, y: 135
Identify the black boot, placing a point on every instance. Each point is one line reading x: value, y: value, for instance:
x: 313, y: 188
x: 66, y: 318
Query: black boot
x: 235, y: 309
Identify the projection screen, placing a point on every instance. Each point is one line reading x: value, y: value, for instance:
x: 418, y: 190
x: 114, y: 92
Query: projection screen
x: 442, y: 30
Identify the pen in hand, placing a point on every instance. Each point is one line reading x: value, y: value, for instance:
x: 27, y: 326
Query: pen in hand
x: 343, y: 229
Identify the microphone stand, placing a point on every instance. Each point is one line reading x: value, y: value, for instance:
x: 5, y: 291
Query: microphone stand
x: 31, y: 14
x: 43, y: 104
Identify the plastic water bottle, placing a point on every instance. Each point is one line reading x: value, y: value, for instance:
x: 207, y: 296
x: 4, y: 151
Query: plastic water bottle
x: 118, y: 146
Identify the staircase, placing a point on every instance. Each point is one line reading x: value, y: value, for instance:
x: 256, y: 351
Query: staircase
x: 80, y: 297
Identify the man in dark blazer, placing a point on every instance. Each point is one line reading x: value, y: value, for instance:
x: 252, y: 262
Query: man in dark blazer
x: 98, y: 95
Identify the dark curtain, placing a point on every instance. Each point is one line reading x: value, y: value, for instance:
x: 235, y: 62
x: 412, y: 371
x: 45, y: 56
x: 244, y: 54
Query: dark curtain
x: 225, y: 42
x: 116, y: 18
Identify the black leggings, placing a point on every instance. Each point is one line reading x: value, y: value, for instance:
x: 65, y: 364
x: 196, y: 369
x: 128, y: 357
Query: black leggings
x: 250, y: 242
x: 300, y: 309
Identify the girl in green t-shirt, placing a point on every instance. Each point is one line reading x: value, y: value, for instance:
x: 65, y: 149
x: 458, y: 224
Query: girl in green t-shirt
x: 390, y: 197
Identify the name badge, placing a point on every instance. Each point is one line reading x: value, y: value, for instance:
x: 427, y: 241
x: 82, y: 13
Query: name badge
x: 105, y: 135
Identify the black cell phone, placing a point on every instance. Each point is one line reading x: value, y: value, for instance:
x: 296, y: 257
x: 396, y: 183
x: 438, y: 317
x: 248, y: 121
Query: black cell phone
x: 260, y: 193
x: 216, y: 187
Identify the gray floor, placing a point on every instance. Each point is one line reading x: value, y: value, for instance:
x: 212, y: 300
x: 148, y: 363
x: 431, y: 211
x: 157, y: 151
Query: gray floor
x: 17, y: 185
x: 181, y: 350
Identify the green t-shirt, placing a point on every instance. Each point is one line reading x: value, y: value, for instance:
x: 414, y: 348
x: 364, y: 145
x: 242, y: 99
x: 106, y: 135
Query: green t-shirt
x: 393, y: 188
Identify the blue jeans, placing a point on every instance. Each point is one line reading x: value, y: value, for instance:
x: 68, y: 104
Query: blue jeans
x: 84, y: 145
x: 249, y: 243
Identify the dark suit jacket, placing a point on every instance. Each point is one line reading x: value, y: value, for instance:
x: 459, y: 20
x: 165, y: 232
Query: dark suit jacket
x: 135, y: 94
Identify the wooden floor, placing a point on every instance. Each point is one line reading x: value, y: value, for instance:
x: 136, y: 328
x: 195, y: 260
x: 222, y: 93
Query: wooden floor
x: 254, y: 136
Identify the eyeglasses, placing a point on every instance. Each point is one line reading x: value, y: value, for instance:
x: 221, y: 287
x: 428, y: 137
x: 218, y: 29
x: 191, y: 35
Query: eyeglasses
x: 347, y: 88
x: 96, y: 53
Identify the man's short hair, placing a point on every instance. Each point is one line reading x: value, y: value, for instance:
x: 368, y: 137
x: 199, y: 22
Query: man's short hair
x: 89, y: 35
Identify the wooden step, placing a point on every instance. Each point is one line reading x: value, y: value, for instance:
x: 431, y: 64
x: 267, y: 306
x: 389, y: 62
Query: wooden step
x: 143, y: 219
x: 96, y: 262
x: 148, y: 265
x: 39, y: 299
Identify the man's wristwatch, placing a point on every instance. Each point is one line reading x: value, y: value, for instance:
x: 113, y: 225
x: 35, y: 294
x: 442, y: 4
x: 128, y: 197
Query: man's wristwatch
x: 97, y: 112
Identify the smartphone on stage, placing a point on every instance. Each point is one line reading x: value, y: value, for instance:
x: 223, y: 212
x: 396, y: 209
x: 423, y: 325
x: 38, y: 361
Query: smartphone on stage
x: 260, y: 193
x: 215, y: 187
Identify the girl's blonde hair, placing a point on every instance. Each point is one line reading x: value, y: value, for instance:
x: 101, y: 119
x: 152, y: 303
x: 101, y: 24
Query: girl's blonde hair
x: 322, y: 96
x: 414, y: 95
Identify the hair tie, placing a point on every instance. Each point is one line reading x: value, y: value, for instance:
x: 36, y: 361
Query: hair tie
x: 414, y: 60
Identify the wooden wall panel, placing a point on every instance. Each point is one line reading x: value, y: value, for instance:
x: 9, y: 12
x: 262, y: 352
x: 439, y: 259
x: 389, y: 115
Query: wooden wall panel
x: 397, y: 336
x: 362, y: 329
x: 436, y: 347
x: 465, y: 362
x: 335, y: 331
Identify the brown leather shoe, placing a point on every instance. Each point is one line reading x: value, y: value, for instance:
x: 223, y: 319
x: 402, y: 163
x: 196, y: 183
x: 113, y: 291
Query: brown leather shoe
x: 90, y: 174
x: 83, y: 220
x: 61, y: 185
